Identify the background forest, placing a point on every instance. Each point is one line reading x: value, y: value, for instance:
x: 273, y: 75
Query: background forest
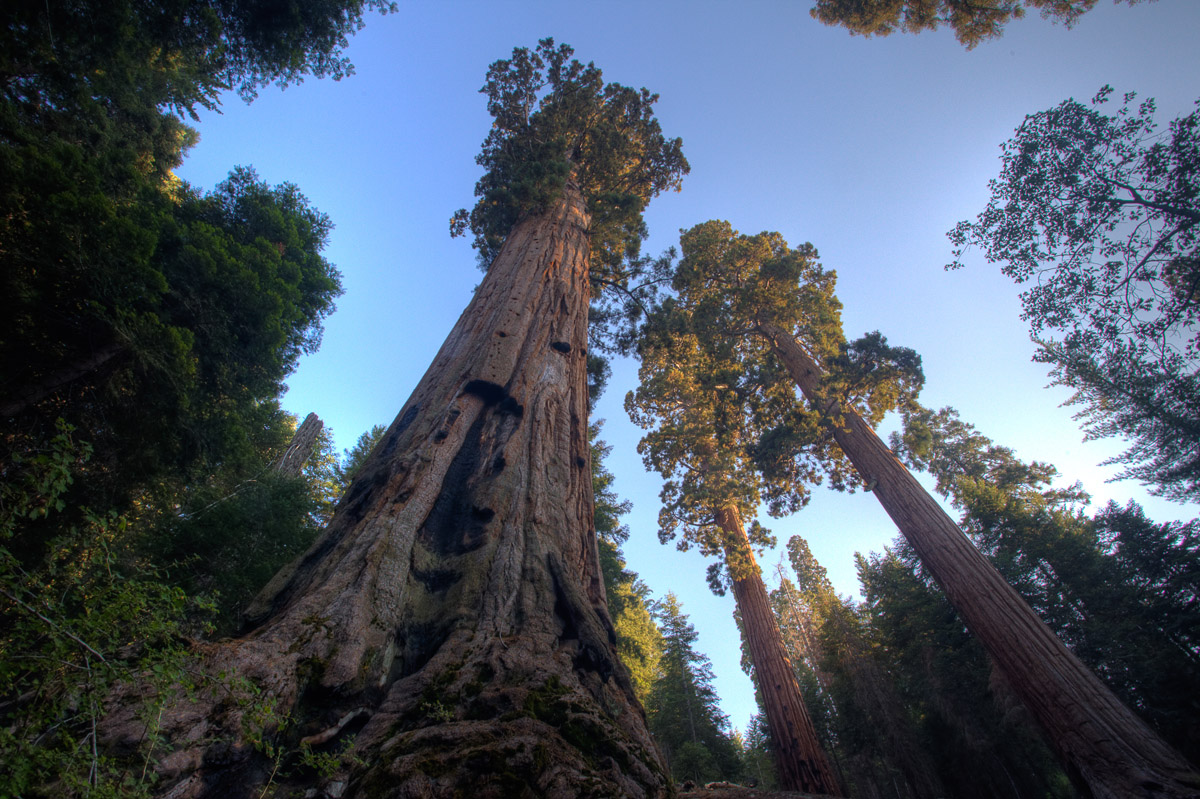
x: 156, y: 296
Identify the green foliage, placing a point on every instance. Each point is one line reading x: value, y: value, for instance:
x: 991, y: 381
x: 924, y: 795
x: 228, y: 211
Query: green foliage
x: 556, y: 119
x: 73, y: 626
x: 758, y: 763
x: 232, y: 545
x: 158, y: 322
x: 353, y: 459
x: 972, y: 21
x: 967, y: 719
x: 321, y: 473
x: 231, y: 531
x: 201, y: 321
x: 609, y: 508
x: 150, y: 316
x: 1117, y: 588
x: 682, y: 710
x: 1145, y: 635
x: 726, y: 427
x: 852, y: 698
x: 179, y: 54
x: 797, y: 616
x: 1100, y: 214
x: 639, y: 643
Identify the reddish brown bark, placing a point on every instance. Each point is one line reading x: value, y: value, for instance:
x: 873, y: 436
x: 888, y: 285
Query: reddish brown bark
x: 1099, y: 740
x: 799, y: 759
x: 453, y: 609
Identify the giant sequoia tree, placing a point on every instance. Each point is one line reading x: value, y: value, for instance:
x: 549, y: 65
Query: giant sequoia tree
x: 705, y: 430
x: 738, y: 288
x: 453, y: 611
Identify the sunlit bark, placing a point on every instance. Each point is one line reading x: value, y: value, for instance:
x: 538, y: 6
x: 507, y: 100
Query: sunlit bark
x: 1100, y: 741
x: 799, y: 760
x: 452, y: 614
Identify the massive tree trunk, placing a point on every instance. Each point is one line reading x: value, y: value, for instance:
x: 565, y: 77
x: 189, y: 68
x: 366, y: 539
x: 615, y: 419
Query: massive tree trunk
x: 799, y: 759
x: 1102, y: 744
x: 452, y: 615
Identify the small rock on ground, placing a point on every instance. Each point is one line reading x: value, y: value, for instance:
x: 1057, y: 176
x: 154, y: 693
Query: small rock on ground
x: 726, y: 790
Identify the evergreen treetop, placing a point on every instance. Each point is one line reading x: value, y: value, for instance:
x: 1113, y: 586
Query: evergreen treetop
x: 683, y: 708
x: 556, y: 119
x: 725, y: 424
x: 175, y: 54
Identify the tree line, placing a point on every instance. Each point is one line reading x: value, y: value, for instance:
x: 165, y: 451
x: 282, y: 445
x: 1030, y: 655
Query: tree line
x: 445, y: 608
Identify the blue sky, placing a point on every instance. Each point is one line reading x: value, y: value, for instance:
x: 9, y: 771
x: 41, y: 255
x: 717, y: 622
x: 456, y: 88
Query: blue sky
x: 871, y: 149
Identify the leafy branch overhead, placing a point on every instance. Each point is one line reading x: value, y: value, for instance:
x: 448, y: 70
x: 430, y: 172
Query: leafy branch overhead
x: 556, y: 119
x: 971, y: 20
x: 179, y: 55
x: 1098, y: 215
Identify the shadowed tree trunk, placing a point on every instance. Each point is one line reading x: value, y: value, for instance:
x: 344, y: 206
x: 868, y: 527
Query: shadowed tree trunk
x: 799, y: 759
x: 25, y: 397
x: 452, y: 614
x: 1100, y: 741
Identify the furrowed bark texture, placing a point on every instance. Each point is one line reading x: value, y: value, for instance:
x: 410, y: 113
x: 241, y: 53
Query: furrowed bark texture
x: 799, y: 759
x: 452, y: 615
x: 1100, y: 741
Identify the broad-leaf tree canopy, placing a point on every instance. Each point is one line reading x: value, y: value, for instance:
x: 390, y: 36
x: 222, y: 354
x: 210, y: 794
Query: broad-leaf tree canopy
x: 1099, y: 216
x: 196, y: 305
x: 151, y: 316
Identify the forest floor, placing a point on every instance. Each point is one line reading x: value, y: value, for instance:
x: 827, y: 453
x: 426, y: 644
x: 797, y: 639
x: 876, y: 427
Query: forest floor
x: 727, y: 790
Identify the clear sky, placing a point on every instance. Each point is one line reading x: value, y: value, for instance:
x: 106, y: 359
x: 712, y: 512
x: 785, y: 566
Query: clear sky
x: 869, y: 148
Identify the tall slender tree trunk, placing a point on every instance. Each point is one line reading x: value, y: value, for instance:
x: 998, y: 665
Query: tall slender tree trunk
x: 799, y: 759
x: 808, y: 647
x: 1105, y: 748
x: 876, y: 695
x: 452, y: 614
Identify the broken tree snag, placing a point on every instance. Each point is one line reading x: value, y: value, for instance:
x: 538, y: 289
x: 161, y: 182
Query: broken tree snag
x: 301, y: 447
x: 452, y: 596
